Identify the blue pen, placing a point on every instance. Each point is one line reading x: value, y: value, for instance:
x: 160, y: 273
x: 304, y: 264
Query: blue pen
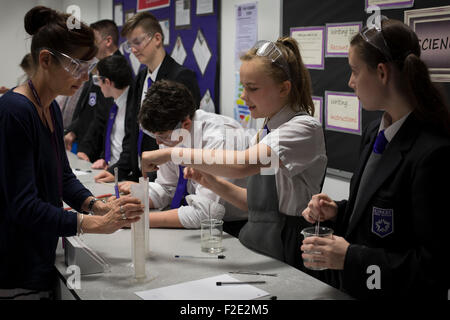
x: 116, y: 182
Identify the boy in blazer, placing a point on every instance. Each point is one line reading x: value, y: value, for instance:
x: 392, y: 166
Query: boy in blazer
x: 145, y: 40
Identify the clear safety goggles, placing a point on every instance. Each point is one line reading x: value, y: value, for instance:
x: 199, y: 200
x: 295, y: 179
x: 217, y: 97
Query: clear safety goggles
x: 269, y: 50
x: 96, y: 79
x: 137, y: 43
x: 373, y: 35
x: 73, y: 66
x: 164, y: 138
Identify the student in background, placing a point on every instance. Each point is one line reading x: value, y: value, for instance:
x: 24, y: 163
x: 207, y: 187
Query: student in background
x: 35, y: 176
x: 114, y: 79
x: 168, y: 110
x: 277, y: 87
x: 92, y: 107
x: 395, y: 221
x: 145, y: 40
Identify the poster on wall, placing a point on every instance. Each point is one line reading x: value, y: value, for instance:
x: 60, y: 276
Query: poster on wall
x: 390, y: 4
x: 432, y: 26
x: 207, y: 104
x: 182, y: 14
x: 246, y: 29
x: 338, y: 36
x: 204, y: 7
x: 311, y: 43
x: 129, y: 14
x: 118, y: 14
x: 179, y: 53
x: 342, y: 112
x: 144, y: 5
x: 165, y: 26
x: 201, y: 51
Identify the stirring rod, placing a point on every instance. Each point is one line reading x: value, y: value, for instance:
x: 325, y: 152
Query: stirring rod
x: 317, y: 227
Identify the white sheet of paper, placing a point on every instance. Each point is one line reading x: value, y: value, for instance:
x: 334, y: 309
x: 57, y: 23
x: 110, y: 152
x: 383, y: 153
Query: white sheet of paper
x: 79, y: 172
x: 201, y: 52
x: 246, y: 29
x: 343, y: 111
x: 165, y: 26
x: 179, y: 53
x: 118, y: 15
x: 207, y: 103
x: 338, y: 38
x: 310, y: 43
x: 204, y: 289
x: 204, y: 6
x: 182, y: 13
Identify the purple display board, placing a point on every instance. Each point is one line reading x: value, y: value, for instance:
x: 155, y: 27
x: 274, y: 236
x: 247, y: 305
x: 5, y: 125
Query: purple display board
x: 208, y: 24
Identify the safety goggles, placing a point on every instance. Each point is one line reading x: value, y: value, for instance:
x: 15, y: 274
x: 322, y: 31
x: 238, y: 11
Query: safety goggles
x: 373, y: 35
x: 96, y: 79
x: 137, y: 43
x: 73, y: 66
x: 164, y: 138
x: 270, y: 50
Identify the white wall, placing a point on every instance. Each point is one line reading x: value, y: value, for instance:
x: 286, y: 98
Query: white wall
x: 16, y: 42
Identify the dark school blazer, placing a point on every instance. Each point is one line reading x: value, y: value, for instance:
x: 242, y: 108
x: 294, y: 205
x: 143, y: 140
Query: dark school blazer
x: 128, y: 163
x: 96, y: 134
x: 402, y: 226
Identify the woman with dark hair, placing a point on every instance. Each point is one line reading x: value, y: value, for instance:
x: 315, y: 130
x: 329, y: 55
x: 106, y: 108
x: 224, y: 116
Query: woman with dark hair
x: 391, y: 238
x: 35, y: 176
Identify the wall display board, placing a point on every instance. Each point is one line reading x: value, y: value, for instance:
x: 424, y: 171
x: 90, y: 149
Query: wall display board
x: 343, y: 145
x: 206, y: 24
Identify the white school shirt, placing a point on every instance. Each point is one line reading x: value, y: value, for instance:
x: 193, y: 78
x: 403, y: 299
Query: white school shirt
x: 207, y: 132
x: 153, y: 76
x: 390, y: 129
x: 300, y: 145
x: 118, y: 129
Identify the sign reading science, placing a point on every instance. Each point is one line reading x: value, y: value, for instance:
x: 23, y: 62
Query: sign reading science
x: 432, y: 26
x: 144, y: 5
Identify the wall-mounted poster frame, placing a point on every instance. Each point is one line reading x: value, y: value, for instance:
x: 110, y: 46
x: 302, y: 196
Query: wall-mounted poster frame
x: 204, y: 7
x: 390, y: 4
x: 183, y: 14
x: 144, y: 5
x: 342, y: 112
x: 338, y: 36
x: 318, y: 108
x: 432, y: 26
x: 311, y: 44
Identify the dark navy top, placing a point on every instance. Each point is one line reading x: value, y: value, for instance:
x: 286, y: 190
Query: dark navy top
x: 34, y: 171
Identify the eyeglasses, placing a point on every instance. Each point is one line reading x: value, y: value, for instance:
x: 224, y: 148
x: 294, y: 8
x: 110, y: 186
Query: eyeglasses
x: 373, y: 35
x: 270, y: 50
x: 73, y: 66
x: 137, y: 43
x: 96, y: 79
x: 166, y: 138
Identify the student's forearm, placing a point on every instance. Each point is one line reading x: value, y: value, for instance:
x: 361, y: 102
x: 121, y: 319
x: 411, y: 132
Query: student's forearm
x: 165, y: 219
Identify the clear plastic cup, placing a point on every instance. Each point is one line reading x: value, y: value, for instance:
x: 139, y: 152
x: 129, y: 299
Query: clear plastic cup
x: 324, y: 232
x: 211, y: 235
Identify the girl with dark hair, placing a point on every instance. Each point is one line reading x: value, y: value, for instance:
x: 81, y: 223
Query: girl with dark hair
x: 35, y: 176
x: 277, y: 87
x: 391, y: 239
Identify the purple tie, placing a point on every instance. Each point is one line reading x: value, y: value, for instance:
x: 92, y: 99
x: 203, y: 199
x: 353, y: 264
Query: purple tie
x: 141, y: 133
x: 180, y: 192
x: 266, y: 128
x: 111, y: 119
x: 380, y: 143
